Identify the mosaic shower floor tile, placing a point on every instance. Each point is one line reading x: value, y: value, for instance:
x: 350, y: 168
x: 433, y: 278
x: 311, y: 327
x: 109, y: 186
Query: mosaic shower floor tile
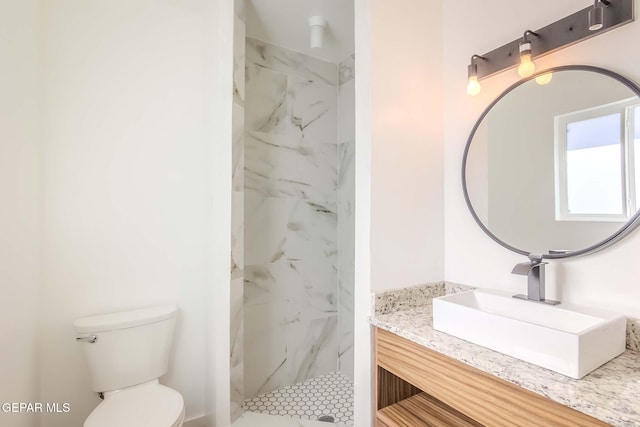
x: 318, y: 398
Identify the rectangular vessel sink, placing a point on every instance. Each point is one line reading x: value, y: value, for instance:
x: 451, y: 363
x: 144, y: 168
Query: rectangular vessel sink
x: 567, y: 339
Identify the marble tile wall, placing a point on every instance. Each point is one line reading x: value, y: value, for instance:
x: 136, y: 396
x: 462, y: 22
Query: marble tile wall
x: 237, y: 217
x: 291, y: 218
x: 346, y: 224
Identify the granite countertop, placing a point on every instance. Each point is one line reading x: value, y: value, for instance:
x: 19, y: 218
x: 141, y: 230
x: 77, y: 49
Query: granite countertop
x: 611, y: 393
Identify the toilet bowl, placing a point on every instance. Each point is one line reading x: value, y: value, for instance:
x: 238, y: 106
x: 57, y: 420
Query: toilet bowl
x: 127, y: 352
x: 150, y: 404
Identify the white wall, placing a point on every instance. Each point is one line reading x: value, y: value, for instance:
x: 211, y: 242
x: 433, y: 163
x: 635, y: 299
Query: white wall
x: 19, y: 207
x: 363, y: 393
x: 130, y: 182
x: 398, y: 164
x: 406, y: 164
x: 607, y: 279
x: 218, y: 97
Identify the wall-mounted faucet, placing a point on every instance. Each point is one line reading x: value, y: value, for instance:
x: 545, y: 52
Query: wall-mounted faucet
x: 534, y: 270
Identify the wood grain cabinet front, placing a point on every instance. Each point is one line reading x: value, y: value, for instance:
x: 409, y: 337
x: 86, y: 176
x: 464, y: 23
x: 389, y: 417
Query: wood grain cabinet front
x: 417, y: 387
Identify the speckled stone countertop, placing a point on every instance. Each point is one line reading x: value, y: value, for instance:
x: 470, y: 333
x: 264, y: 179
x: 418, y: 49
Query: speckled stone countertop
x: 611, y: 393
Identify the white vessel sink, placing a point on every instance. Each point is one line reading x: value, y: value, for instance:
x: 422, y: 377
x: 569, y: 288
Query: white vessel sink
x: 567, y: 339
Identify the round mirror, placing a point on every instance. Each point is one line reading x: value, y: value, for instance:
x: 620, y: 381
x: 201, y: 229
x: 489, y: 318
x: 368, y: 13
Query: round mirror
x: 552, y: 167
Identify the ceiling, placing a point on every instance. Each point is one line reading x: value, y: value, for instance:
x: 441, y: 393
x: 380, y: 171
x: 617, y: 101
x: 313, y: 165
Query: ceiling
x: 285, y: 23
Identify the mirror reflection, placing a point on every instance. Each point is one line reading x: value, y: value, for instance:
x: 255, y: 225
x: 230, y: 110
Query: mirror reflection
x: 553, y: 167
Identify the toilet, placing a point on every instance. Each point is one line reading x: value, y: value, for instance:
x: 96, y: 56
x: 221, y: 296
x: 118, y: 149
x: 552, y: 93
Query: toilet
x: 127, y: 352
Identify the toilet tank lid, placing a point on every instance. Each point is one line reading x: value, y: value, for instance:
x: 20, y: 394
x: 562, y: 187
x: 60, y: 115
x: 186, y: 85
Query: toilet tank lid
x: 124, y: 319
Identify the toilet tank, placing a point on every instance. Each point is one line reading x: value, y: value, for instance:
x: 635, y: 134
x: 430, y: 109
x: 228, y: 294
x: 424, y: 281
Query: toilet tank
x: 132, y: 347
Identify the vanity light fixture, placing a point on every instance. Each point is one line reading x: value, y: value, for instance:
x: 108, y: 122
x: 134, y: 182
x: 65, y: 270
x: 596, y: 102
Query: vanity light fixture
x: 596, y: 14
x: 574, y: 28
x: 473, y: 85
x: 526, y: 67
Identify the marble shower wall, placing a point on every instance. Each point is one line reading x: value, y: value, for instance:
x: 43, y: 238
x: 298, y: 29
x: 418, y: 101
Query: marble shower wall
x: 346, y: 224
x: 237, y: 216
x: 291, y: 218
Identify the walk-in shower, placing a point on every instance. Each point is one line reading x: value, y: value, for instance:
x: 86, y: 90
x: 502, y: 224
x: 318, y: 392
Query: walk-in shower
x: 293, y: 229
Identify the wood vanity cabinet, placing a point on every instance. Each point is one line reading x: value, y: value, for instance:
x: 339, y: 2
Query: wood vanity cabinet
x: 417, y: 387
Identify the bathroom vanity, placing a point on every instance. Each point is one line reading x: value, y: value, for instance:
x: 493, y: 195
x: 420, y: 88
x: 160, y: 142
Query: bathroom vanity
x: 425, y: 377
x: 521, y: 188
x: 534, y: 208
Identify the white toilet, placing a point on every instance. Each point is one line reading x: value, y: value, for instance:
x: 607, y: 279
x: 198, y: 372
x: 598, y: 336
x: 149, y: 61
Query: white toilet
x: 127, y: 352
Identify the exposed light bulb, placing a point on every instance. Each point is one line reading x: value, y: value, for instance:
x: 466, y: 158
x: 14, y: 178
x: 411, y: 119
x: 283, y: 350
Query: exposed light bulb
x: 544, y: 79
x: 526, y: 67
x: 473, y: 87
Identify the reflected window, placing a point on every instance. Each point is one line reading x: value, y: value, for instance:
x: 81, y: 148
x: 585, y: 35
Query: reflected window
x: 596, y: 152
x: 594, y: 170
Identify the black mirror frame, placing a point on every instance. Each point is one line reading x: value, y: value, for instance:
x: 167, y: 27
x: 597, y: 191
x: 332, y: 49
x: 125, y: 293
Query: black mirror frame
x: 631, y: 224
